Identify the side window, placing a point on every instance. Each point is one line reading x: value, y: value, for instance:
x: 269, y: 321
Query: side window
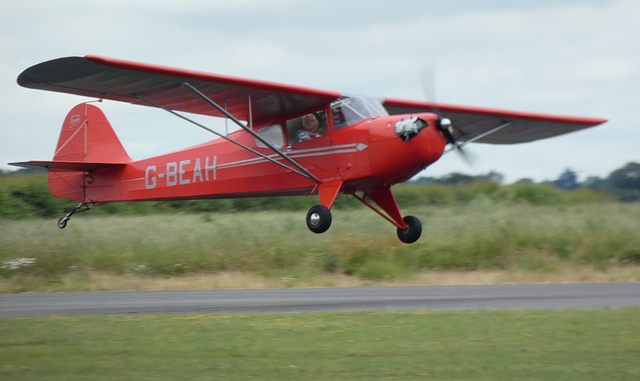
x: 307, y: 127
x: 273, y: 135
x: 337, y: 116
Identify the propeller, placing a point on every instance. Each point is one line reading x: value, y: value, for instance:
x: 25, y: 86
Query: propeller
x: 444, y: 125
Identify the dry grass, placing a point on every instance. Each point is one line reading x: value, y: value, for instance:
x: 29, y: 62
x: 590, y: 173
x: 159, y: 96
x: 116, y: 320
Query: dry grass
x: 98, y: 281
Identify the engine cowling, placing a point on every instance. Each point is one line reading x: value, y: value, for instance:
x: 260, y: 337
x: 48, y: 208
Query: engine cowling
x: 402, y: 146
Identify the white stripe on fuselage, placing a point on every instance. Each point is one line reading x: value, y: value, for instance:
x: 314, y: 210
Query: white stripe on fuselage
x: 176, y: 171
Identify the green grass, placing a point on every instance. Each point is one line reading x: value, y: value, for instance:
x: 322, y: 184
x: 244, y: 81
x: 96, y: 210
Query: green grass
x: 482, y: 236
x: 589, y: 344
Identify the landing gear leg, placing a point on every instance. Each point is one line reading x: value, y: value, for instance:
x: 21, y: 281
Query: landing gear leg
x: 81, y: 207
x: 409, y: 228
x: 319, y: 216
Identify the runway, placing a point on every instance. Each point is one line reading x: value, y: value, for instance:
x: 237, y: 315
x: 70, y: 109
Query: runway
x: 531, y: 296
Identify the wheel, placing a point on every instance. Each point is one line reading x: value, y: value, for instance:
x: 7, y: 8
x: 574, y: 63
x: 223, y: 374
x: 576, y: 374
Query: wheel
x: 319, y: 219
x: 62, y: 222
x: 413, y: 231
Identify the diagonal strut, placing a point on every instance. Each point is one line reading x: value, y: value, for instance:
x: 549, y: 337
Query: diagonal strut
x: 253, y: 133
x: 228, y: 139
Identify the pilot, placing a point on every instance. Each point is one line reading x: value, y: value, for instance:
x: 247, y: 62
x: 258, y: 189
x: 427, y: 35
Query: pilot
x: 338, y: 117
x: 309, y: 128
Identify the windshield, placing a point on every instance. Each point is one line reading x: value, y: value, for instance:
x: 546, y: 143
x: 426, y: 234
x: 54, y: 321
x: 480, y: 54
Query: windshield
x: 351, y: 110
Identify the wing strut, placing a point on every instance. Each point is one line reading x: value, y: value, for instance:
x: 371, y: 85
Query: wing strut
x: 482, y: 135
x: 491, y: 131
x: 228, y: 139
x: 306, y: 174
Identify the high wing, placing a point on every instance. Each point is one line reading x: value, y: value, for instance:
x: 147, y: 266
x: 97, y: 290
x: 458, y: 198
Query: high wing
x: 132, y: 82
x: 470, y: 123
x: 246, y: 99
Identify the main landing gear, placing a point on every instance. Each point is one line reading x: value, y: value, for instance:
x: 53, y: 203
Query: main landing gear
x: 319, y: 219
x: 81, y: 207
x: 381, y: 201
x: 413, y: 231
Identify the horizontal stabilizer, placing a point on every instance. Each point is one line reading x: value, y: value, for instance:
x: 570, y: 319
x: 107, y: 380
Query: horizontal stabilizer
x: 78, y: 166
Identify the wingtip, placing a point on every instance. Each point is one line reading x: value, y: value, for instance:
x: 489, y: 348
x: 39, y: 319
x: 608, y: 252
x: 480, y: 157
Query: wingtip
x: 56, y: 70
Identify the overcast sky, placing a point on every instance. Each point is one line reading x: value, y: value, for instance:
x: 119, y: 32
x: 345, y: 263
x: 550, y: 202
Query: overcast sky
x: 565, y: 57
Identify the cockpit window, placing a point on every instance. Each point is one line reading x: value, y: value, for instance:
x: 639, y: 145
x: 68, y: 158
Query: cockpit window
x: 350, y: 110
x: 307, y: 127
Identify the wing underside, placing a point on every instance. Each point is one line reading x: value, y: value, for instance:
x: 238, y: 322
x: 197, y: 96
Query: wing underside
x: 471, y: 122
x: 127, y: 81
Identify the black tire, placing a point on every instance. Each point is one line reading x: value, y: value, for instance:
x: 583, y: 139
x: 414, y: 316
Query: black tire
x: 413, y: 231
x: 62, y: 222
x: 319, y: 219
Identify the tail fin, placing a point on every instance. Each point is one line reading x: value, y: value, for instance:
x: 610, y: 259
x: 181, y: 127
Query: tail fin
x: 87, y: 136
x: 87, y: 143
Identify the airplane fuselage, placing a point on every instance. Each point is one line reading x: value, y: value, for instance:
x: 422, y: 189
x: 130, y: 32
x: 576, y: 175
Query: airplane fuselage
x: 365, y: 155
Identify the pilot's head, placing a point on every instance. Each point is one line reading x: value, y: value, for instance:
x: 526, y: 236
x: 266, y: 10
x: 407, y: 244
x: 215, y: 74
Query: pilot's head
x: 309, y: 122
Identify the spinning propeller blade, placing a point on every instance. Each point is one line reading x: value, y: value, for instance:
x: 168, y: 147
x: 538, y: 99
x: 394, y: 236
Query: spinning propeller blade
x: 444, y: 125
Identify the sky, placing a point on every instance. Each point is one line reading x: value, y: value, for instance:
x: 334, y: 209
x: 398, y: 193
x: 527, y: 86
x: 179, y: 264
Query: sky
x: 571, y: 57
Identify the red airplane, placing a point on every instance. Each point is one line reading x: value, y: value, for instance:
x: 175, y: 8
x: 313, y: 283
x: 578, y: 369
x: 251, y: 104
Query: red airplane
x: 292, y: 140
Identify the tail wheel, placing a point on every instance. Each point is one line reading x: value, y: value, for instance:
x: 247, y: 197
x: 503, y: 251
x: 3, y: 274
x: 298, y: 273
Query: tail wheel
x: 413, y: 231
x: 319, y: 219
x: 62, y: 222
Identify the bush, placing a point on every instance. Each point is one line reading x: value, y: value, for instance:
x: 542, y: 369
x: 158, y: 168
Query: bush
x: 27, y: 195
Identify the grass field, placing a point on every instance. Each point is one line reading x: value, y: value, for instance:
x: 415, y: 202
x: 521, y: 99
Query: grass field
x: 509, y: 242
x: 479, y: 242
x: 580, y: 344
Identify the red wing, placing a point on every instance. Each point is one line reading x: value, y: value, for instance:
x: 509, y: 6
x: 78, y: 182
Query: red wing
x: 119, y: 80
x: 469, y: 122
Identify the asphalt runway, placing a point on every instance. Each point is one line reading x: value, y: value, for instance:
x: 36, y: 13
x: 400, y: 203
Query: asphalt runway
x: 531, y: 296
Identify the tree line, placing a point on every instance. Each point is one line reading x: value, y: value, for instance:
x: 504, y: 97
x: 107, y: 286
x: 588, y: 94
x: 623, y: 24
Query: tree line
x: 623, y: 183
